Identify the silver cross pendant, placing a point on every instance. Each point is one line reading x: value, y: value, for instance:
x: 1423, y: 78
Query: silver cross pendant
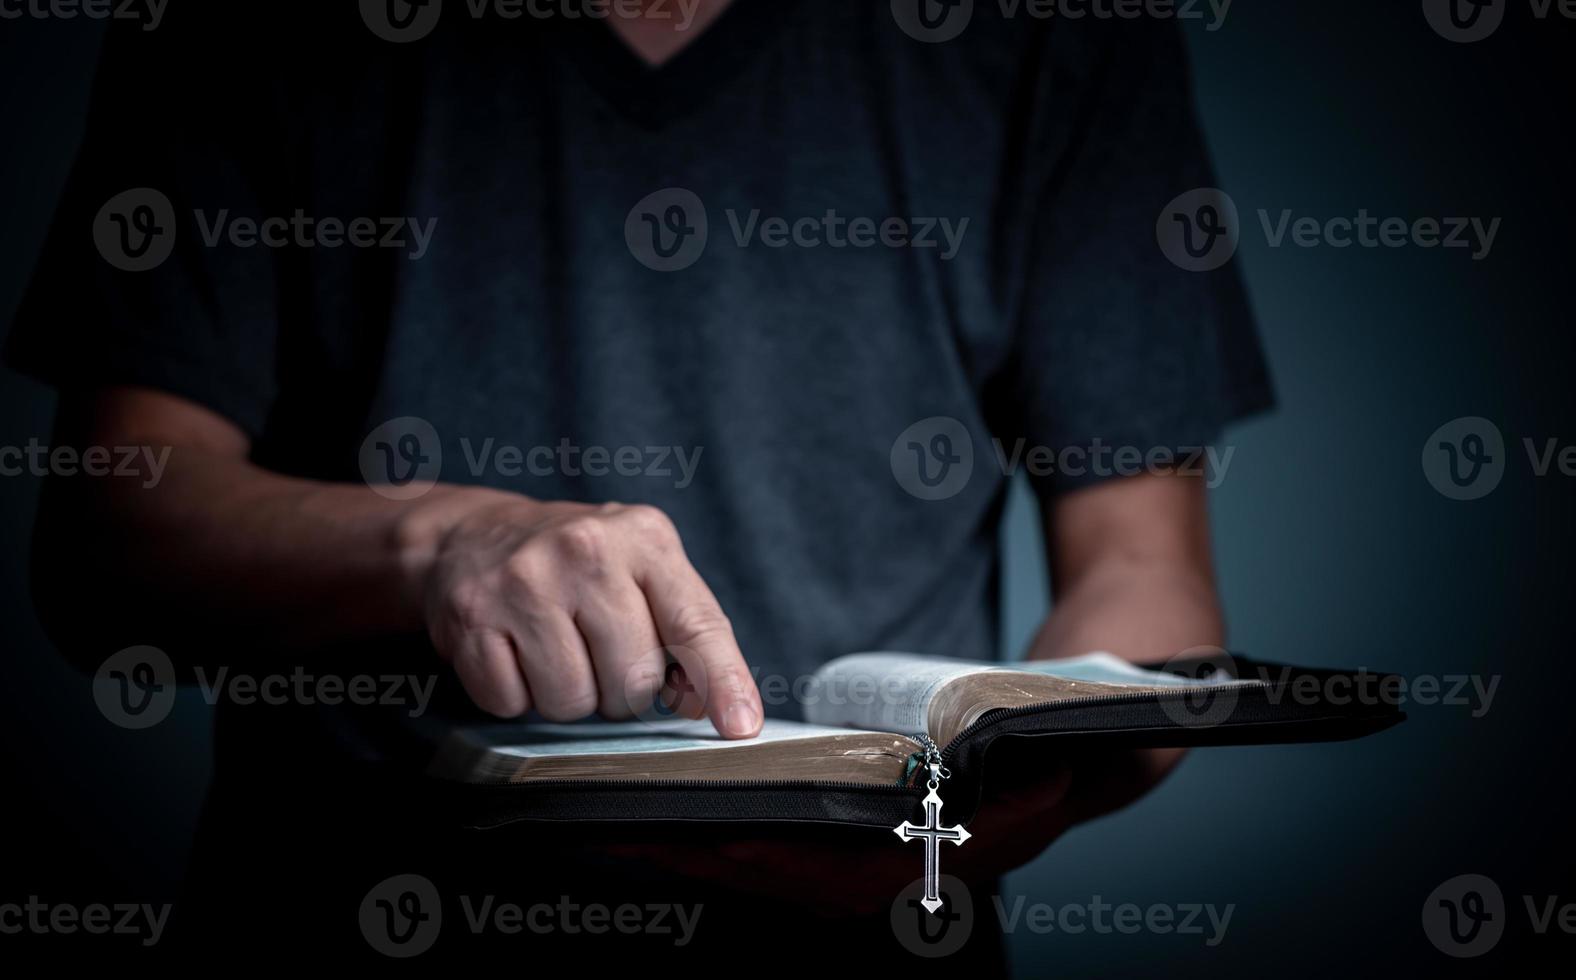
x: 932, y: 833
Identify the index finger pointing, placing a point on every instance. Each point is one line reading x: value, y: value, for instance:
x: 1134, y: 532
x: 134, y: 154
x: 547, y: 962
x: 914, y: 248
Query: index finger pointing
x: 698, y: 635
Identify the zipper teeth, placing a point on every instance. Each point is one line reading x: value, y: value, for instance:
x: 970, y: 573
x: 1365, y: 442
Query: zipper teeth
x: 1134, y: 697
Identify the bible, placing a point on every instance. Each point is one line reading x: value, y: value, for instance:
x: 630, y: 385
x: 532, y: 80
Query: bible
x: 871, y: 720
x: 882, y: 733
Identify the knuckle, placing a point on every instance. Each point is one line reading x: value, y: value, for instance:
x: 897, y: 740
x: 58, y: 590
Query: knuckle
x: 527, y: 562
x: 571, y: 704
x: 583, y: 541
x: 730, y: 682
x: 651, y: 520
x: 617, y: 705
x: 466, y: 604
x: 488, y: 684
x: 504, y: 704
x: 629, y: 686
x: 701, y: 622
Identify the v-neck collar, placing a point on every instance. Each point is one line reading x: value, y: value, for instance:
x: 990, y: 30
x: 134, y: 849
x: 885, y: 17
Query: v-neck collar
x: 655, y: 95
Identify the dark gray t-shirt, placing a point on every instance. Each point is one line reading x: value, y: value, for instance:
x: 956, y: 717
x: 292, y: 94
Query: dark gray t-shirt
x: 789, y: 288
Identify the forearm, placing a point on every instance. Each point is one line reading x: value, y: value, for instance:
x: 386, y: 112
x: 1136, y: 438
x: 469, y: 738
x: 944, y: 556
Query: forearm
x: 563, y: 607
x: 1131, y: 570
x: 1140, y: 610
x: 218, y: 546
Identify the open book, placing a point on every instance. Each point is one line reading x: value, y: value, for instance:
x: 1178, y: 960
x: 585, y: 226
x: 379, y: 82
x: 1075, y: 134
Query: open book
x: 869, y: 716
x: 883, y: 732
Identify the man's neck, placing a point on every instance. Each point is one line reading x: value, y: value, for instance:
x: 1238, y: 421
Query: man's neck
x: 665, y: 27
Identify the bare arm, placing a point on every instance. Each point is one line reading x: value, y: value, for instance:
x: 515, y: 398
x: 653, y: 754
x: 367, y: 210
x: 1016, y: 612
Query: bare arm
x: 1131, y: 574
x: 564, y: 607
x: 1131, y: 570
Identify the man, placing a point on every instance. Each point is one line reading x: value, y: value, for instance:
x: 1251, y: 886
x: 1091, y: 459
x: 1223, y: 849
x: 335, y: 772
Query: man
x: 783, y: 358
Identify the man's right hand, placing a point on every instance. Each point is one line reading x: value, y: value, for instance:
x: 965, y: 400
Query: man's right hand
x: 572, y: 609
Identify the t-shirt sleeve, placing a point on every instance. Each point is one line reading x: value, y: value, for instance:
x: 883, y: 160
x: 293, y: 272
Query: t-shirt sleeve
x: 1118, y: 345
x: 131, y: 287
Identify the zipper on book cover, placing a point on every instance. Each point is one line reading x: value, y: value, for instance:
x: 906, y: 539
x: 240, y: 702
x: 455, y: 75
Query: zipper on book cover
x: 1089, y: 700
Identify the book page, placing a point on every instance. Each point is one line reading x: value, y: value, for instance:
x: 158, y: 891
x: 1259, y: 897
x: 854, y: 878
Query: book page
x: 669, y: 749
x: 612, y: 738
x: 895, y: 692
x: 884, y: 692
x: 1107, y: 668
